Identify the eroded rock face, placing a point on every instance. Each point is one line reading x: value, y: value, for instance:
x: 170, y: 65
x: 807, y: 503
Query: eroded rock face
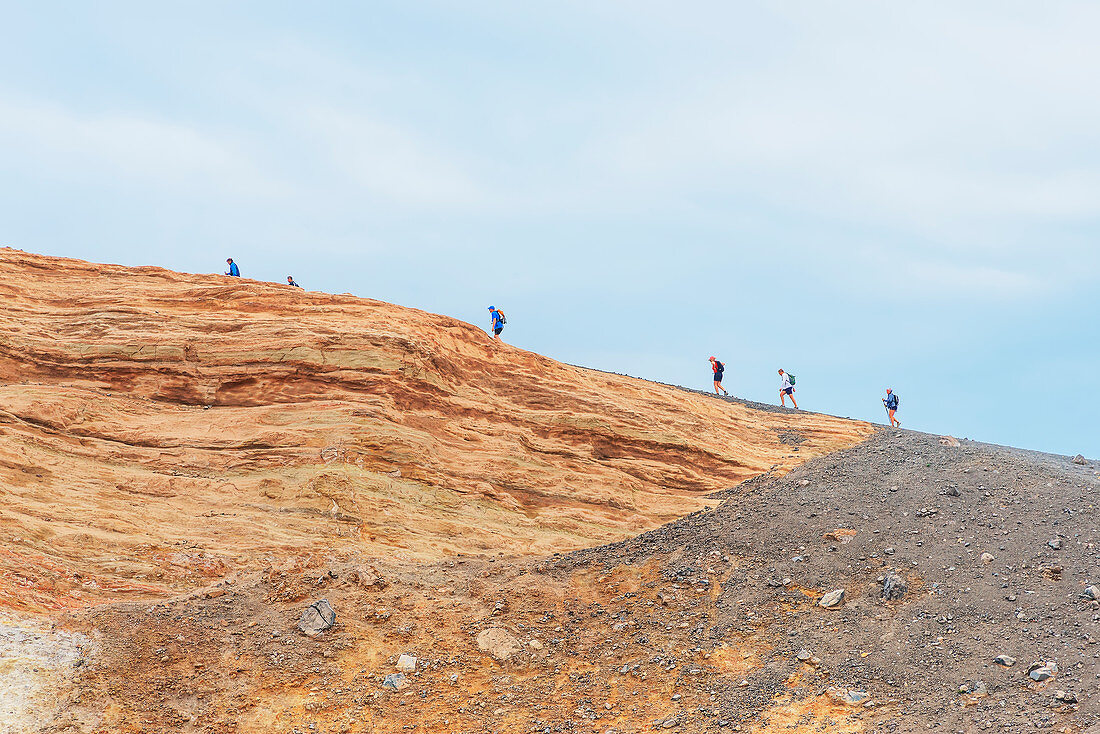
x: 189, y: 426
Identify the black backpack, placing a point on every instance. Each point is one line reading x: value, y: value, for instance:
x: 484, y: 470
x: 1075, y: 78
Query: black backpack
x: 718, y: 366
x: 503, y: 320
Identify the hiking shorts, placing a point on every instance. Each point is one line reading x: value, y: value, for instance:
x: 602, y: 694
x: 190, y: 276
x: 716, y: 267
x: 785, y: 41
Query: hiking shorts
x: 717, y: 376
x: 497, y: 330
x: 788, y: 391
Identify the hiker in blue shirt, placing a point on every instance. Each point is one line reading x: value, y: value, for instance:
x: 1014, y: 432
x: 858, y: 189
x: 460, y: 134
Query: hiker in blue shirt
x: 498, y: 321
x: 290, y: 281
x: 891, y: 402
x: 233, y: 269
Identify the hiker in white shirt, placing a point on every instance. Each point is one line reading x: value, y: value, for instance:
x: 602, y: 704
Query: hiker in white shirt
x: 787, y: 389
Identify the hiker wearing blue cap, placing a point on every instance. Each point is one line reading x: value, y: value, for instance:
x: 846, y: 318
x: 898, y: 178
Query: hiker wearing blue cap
x: 498, y: 321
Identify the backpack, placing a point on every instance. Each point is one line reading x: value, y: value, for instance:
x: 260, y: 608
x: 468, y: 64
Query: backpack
x: 503, y: 320
x: 718, y: 366
x: 791, y: 378
x: 897, y: 401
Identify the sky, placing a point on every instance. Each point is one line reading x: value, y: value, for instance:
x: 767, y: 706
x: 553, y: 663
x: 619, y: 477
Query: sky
x: 866, y: 194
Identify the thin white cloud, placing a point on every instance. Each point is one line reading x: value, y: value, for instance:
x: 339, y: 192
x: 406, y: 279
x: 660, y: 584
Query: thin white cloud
x: 932, y: 123
x: 113, y: 147
x: 392, y: 163
x: 962, y: 282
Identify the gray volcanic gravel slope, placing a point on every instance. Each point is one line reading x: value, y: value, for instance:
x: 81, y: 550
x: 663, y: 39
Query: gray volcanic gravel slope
x: 927, y: 512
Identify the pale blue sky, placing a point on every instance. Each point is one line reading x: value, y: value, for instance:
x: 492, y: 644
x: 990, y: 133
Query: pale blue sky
x: 867, y: 194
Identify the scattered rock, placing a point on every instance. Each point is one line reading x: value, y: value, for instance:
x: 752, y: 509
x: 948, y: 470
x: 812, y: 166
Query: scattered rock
x: 949, y: 441
x: 1092, y: 592
x: 395, y: 682
x: 974, y: 691
x: 894, y: 587
x: 953, y: 492
x: 889, y: 551
x: 1065, y: 697
x: 499, y: 643
x: 804, y: 655
x: 317, y: 617
x: 669, y: 723
x: 1080, y: 460
x: 406, y: 663
x: 1006, y: 660
x: 534, y: 644
x: 366, y: 578
x: 1042, y: 671
x: 840, y: 535
x: 1056, y: 544
x: 987, y: 558
x: 831, y: 599
x: 850, y: 697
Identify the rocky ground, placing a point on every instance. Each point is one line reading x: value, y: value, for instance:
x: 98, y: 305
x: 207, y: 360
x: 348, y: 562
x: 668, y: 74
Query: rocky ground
x: 710, y: 623
x: 232, y: 506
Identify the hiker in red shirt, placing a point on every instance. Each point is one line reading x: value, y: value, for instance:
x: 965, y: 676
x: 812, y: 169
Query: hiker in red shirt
x: 718, y: 368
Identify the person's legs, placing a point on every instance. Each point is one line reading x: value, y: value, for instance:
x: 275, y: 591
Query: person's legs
x: 894, y: 421
x: 783, y: 397
x: 717, y: 387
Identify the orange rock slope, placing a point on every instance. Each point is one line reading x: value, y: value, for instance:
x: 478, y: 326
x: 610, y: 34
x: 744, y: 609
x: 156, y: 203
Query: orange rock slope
x: 159, y: 430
